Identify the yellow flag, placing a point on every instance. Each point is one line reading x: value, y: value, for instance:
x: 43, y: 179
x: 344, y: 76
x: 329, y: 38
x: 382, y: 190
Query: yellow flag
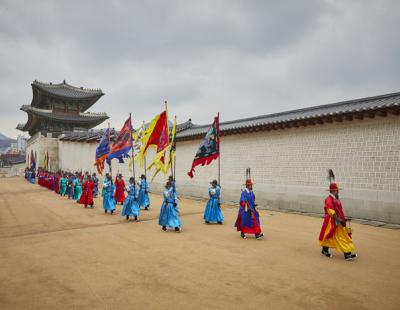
x: 163, y: 160
x: 172, y: 149
x: 136, y: 144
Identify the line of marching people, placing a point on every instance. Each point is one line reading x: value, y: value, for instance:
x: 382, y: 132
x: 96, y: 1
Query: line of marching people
x: 76, y: 186
x: 335, y: 232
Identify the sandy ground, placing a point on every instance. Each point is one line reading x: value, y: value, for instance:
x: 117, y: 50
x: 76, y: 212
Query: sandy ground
x: 56, y: 255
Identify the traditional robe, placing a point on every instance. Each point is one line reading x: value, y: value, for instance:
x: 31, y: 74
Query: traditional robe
x: 119, y: 190
x: 131, y: 206
x: 108, y: 200
x: 144, y: 199
x: 103, y: 189
x: 333, y: 234
x: 213, y: 213
x: 78, y: 189
x: 96, y: 186
x: 248, y: 219
x: 87, y: 193
x: 169, y: 214
x: 57, y: 183
x: 63, y: 186
x: 71, y: 188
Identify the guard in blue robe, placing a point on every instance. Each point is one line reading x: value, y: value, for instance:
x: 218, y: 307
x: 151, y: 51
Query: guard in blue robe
x: 144, y: 199
x: 71, y: 187
x: 131, y: 205
x: 108, y: 199
x: 248, y: 219
x: 96, y: 185
x: 33, y: 176
x: 213, y: 213
x: 169, y: 213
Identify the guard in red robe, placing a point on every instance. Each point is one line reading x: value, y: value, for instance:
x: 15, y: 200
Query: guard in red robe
x: 57, y: 184
x: 119, y: 189
x: 49, y: 181
x: 87, y: 192
x: 40, y: 178
x: 335, y: 232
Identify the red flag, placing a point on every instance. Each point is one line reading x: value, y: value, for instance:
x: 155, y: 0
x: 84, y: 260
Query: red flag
x: 123, y: 143
x: 159, y: 136
x: 209, y: 147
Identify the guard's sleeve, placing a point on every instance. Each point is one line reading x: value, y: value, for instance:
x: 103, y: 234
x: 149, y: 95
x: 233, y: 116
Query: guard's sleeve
x: 330, y: 209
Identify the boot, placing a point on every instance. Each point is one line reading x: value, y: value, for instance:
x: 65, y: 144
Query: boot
x: 127, y: 217
x: 348, y: 256
x: 325, y: 252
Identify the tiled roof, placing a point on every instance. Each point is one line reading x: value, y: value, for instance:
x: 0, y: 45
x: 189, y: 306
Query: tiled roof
x: 65, y: 90
x: 81, y: 117
x: 89, y: 136
x: 362, y: 105
x: 183, y: 126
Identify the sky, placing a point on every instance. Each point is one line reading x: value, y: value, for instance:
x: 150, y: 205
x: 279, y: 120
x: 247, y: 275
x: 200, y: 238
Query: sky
x: 239, y: 58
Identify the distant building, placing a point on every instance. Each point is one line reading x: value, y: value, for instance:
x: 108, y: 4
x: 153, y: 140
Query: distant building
x: 21, y: 143
x: 56, y: 109
x: 14, y: 147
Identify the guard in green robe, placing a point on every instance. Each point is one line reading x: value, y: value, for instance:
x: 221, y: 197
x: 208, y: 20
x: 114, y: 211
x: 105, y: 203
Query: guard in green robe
x: 63, y: 185
x: 78, y: 188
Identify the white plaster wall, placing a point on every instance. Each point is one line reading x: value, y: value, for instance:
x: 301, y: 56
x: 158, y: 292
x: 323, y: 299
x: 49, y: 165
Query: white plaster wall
x: 41, y: 145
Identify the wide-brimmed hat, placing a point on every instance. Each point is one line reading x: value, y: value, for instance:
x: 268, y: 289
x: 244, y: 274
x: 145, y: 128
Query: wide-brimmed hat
x: 249, y: 182
x: 333, y: 187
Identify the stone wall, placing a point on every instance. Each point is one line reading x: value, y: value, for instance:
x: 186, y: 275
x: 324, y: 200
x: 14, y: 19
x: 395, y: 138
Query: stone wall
x: 289, y: 167
x: 14, y: 170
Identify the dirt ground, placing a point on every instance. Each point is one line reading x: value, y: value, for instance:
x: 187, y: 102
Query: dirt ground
x: 56, y: 255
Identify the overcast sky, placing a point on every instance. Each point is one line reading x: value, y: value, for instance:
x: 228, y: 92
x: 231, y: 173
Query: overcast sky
x: 239, y: 58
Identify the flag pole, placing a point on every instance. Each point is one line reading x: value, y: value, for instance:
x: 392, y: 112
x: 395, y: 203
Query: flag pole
x: 109, y: 133
x: 133, y: 155
x: 145, y: 167
x: 219, y: 155
x: 173, y: 145
x: 166, y: 110
x: 145, y: 163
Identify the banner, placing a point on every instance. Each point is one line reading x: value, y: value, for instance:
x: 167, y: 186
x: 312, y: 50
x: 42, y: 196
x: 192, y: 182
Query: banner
x: 123, y: 144
x: 208, y: 149
x: 102, y: 151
